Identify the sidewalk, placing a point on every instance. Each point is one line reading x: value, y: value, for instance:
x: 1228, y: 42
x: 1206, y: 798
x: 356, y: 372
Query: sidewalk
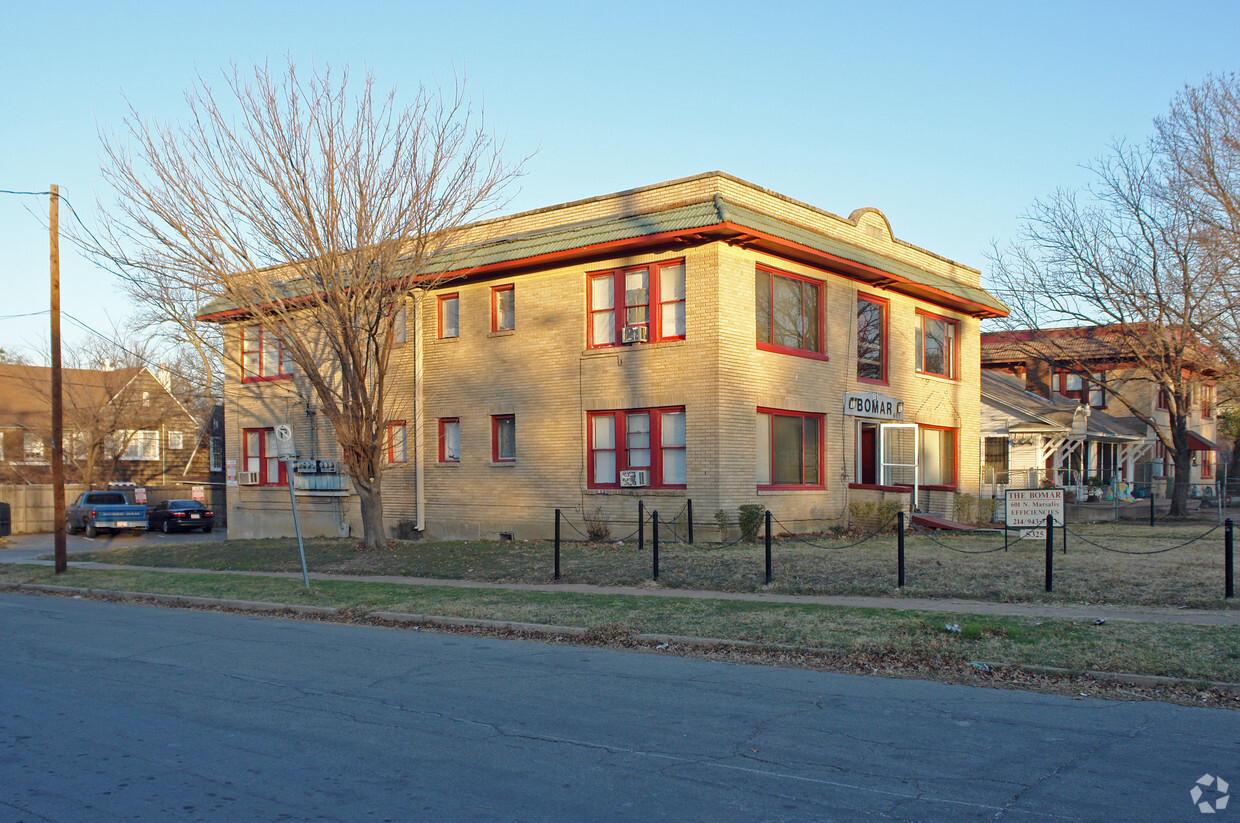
x: 1063, y: 611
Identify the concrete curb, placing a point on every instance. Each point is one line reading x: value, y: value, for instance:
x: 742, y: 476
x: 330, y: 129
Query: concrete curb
x: 543, y: 629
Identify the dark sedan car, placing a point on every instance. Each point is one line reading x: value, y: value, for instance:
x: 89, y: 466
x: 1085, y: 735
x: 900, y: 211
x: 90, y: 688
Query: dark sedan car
x: 181, y: 515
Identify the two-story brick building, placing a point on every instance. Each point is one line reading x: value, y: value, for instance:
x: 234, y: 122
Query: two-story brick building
x: 700, y: 339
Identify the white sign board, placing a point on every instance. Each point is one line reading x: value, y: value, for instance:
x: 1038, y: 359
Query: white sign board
x: 230, y: 472
x: 284, y: 441
x: 873, y: 405
x: 1026, y: 509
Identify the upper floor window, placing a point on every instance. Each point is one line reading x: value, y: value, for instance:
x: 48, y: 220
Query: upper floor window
x: 503, y: 438
x: 32, y: 447
x: 871, y: 339
x: 790, y: 449
x: 263, y: 356
x: 217, y: 453
x: 938, y: 345
x: 142, y: 445
x: 503, y: 308
x: 394, y: 442
x: 650, y: 439
x: 1207, y: 401
x: 399, y: 334
x: 176, y: 440
x: 789, y: 313
x: 259, y: 455
x: 638, y: 303
x: 1091, y: 391
x: 449, y: 316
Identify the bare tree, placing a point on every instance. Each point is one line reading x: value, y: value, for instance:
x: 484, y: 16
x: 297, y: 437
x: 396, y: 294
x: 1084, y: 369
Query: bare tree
x: 310, y: 211
x: 1135, y: 270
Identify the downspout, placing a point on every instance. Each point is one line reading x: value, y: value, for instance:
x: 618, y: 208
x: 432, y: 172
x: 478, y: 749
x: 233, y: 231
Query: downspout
x: 419, y: 490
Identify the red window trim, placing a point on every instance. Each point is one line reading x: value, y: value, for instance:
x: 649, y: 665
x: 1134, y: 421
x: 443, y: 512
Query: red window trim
x: 884, y: 306
x: 820, y: 287
x: 389, y: 443
x: 955, y: 484
x: 620, y: 430
x: 259, y: 377
x: 655, y: 304
x: 955, y: 353
x: 495, y: 421
x: 442, y: 455
x: 495, y: 291
x: 439, y: 305
x: 822, y: 452
x: 263, y: 457
x: 1207, y: 464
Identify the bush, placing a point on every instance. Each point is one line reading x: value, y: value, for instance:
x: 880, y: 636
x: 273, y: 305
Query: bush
x: 750, y: 517
x: 721, y: 518
x: 986, y: 510
x: 598, y: 524
x: 964, y: 507
x: 887, y: 510
x: 860, y: 515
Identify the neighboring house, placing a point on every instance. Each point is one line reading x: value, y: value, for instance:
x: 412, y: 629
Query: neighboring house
x: 1044, y: 419
x: 121, y: 426
x: 703, y: 339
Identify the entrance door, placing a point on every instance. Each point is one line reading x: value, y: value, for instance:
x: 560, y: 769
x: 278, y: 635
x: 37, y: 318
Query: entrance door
x: 867, y: 454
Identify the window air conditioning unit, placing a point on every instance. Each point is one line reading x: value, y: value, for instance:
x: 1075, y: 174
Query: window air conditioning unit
x: 634, y: 478
x: 247, y: 478
x: 634, y: 334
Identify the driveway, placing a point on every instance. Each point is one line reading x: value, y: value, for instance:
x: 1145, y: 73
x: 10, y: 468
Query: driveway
x: 23, y: 548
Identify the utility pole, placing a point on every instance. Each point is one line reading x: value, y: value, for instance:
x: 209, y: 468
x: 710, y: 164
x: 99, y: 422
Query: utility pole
x: 58, y: 416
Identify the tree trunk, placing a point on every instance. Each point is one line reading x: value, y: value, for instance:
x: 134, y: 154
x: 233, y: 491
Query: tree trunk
x: 1183, y: 474
x: 370, y: 498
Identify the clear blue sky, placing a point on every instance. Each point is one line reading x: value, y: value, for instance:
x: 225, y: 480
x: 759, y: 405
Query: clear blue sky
x: 951, y: 118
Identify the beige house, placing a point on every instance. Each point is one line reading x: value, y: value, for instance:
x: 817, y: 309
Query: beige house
x: 702, y: 339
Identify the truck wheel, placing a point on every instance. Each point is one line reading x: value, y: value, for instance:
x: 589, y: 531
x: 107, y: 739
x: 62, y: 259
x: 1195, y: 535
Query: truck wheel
x: 91, y: 531
x: 71, y: 529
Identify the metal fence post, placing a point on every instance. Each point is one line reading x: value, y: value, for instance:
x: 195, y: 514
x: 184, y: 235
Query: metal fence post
x: 1228, y: 557
x: 689, y: 514
x: 768, y: 547
x: 1151, y: 504
x: 900, y: 549
x: 1050, y: 549
x: 557, y: 544
x: 654, y: 517
x: 641, y: 528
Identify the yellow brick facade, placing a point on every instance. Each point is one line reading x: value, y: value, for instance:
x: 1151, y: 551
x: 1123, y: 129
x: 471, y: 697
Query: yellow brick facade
x: 546, y: 376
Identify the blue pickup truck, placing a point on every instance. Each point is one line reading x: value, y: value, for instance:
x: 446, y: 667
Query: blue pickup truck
x: 94, y: 512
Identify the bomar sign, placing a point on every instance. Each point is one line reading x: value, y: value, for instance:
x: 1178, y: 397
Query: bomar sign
x: 874, y: 405
x: 1027, y: 510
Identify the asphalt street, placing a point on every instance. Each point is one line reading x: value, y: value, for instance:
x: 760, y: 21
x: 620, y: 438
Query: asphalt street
x: 115, y: 712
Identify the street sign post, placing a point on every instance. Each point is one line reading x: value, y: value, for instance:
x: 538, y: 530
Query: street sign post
x: 286, y: 450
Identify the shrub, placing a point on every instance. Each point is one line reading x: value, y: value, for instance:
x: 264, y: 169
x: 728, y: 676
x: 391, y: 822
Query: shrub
x: 749, y: 518
x: 721, y: 518
x: 860, y: 514
x: 886, y: 513
x: 986, y: 510
x: 964, y: 507
x: 598, y: 524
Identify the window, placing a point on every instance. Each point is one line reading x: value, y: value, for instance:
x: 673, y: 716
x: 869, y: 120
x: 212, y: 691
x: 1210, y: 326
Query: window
x: 449, y: 440
x: 32, y: 448
x: 143, y: 445
x: 1207, y: 401
x: 1090, y: 391
x: 790, y: 449
x: 1097, y: 390
x: 1207, y: 464
x: 871, y: 339
x: 398, y: 324
x: 937, y: 462
x: 936, y: 345
x: 503, y: 308
x: 503, y: 438
x: 651, y: 439
x: 146, y: 399
x: 263, y: 356
x: 449, y: 316
x: 176, y: 440
x: 217, y: 454
x: 1162, y: 399
x: 996, y: 457
x: 258, y: 455
x: 645, y: 297
x: 789, y: 313
x: 394, y: 443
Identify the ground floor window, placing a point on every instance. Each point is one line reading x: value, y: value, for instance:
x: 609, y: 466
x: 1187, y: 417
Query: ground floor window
x: 449, y: 440
x: 259, y: 456
x: 995, y: 456
x: 790, y: 449
x: 650, y: 439
x: 503, y: 438
x: 936, y: 462
x: 394, y: 445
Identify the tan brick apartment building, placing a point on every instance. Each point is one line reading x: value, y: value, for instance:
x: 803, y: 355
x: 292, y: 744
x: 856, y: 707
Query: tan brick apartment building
x: 700, y: 339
